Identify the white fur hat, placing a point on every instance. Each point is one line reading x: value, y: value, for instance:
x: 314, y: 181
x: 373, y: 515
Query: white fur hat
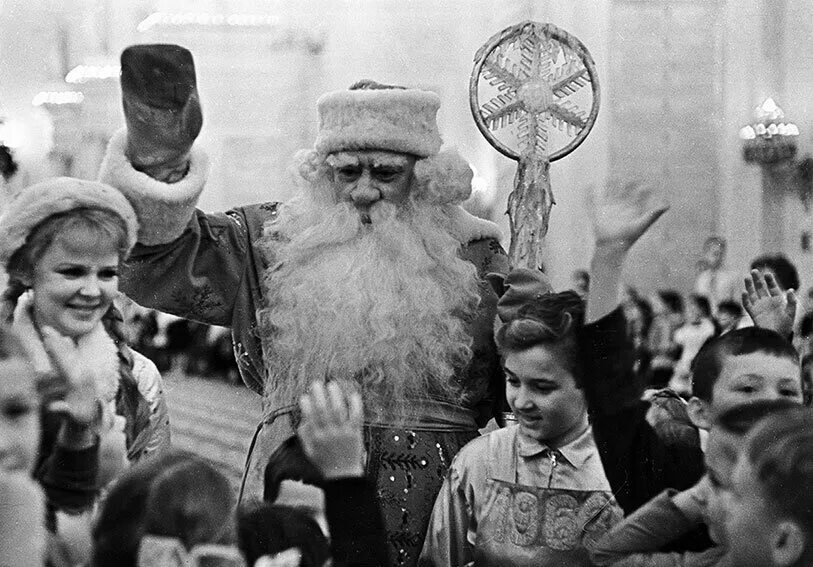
x: 36, y: 203
x: 393, y: 119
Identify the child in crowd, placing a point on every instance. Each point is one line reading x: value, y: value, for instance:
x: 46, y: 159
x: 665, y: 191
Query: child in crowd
x: 779, y: 268
x: 639, y: 316
x: 166, y: 511
x: 66, y: 470
x: 61, y: 244
x: 291, y: 479
x: 743, y: 366
x: 536, y: 493
x: 282, y: 533
x: 640, y: 538
x: 768, y: 511
x: 23, y: 539
x: 667, y: 308
x: 330, y: 444
x: 697, y: 330
x: 729, y: 316
x: 715, y: 282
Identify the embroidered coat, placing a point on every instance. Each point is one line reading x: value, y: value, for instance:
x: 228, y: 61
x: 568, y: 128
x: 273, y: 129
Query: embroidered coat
x: 207, y: 267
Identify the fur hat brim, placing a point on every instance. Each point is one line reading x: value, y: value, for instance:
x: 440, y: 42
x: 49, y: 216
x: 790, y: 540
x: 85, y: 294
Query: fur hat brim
x: 57, y: 195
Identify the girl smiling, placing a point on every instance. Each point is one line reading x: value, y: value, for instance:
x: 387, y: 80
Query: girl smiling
x: 537, y: 493
x: 61, y: 243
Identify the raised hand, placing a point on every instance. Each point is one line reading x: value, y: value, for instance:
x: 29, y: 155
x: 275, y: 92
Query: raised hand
x: 331, y: 430
x: 161, y: 108
x: 622, y: 213
x: 769, y: 306
x: 80, y: 402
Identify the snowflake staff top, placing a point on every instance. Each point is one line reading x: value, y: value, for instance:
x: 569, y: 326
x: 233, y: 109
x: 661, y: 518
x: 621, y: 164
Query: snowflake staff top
x: 532, y: 76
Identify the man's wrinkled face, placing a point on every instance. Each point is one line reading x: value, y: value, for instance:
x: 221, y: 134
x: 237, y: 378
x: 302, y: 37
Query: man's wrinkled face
x: 365, y: 177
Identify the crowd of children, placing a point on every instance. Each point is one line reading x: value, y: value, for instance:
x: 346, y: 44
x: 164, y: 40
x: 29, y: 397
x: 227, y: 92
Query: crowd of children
x: 717, y: 471
x: 669, y: 328
x: 180, y: 345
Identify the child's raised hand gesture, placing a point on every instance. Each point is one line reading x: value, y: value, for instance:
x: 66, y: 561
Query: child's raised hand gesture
x: 80, y: 402
x: 769, y: 306
x: 331, y: 430
x: 623, y: 212
x: 620, y: 215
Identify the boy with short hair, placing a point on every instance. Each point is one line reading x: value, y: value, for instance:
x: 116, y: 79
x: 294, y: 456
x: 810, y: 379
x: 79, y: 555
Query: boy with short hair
x: 739, y: 367
x: 641, y: 537
x: 743, y: 366
x: 769, y: 507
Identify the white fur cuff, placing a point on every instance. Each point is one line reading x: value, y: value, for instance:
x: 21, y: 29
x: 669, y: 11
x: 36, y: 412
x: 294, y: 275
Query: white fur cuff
x: 466, y: 227
x: 163, y: 209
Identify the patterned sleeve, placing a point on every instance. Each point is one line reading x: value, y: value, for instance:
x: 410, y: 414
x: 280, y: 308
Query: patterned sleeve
x: 151, y: 386
x: 197, y: 275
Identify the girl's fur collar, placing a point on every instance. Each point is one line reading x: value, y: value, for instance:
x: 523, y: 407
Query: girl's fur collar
x: 96, y: 351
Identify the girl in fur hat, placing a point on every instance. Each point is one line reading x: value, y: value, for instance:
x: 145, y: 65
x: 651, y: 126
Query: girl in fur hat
x: 61, y: 244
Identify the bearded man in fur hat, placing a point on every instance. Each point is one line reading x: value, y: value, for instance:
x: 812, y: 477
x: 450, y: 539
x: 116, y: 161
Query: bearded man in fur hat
x: 373, y: 274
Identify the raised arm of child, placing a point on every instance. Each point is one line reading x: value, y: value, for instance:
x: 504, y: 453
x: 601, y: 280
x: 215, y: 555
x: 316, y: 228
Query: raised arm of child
x: 665, y: 519
x: 620, y: 215
x: 767, y: 305
x: 68, y: 469
x: 637, y: 462
x: 331, y: 434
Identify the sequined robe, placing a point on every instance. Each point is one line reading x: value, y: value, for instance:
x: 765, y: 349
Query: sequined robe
x: 207, y: 267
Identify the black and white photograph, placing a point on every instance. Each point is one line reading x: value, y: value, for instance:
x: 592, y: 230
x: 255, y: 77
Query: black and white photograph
x: 406, y: 283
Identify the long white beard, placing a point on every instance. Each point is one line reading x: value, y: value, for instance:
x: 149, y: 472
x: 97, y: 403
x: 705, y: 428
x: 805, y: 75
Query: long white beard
x: 384, y: 305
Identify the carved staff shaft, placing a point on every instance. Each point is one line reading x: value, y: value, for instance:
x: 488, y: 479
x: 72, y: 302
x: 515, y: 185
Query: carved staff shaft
x: 529, y: 206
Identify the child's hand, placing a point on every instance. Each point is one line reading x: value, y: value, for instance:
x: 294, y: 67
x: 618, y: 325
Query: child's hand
x: 622, y: 213
x: 80, y: 402
x: 331, y: 430
x: 768, y: 306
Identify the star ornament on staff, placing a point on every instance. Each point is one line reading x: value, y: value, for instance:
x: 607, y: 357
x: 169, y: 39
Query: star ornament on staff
x: 529, y: 97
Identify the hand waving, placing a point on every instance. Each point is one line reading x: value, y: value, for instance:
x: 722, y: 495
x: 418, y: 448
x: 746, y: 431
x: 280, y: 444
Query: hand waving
x: 80, y: 402
x: 622, y: 213
x: 768, y: 305
x: 331, y: 430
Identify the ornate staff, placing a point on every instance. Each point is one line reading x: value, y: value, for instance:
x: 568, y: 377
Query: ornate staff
x: 531, y: 75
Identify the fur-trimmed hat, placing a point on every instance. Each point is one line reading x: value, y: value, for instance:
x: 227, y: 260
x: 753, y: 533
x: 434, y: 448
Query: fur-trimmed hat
x: 374, y: 118
x: 36, y: 203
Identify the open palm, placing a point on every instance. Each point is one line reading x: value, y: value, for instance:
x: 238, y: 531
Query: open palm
x: 623, y: 212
